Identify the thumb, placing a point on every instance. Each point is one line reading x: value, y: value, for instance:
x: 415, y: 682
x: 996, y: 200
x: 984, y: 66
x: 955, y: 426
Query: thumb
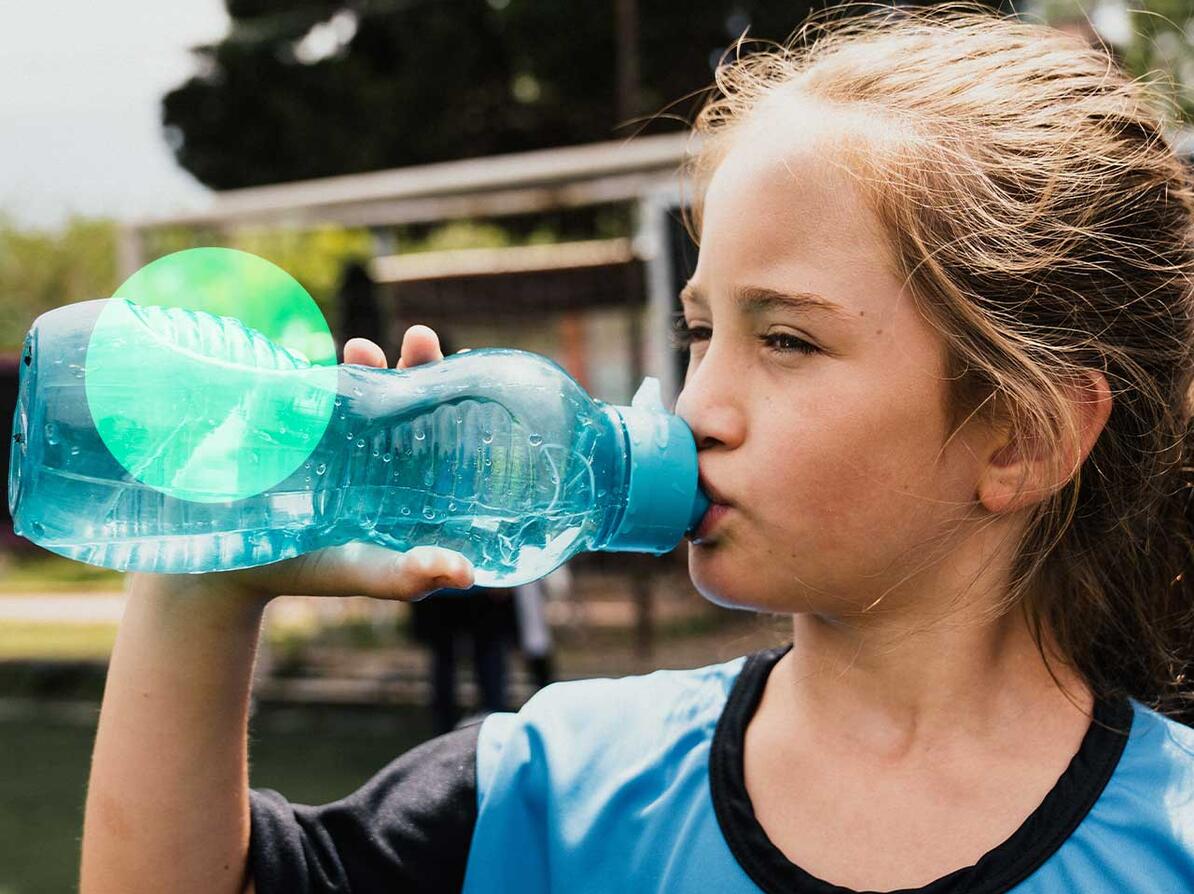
x: 367, y: 569
x: 385, y: 574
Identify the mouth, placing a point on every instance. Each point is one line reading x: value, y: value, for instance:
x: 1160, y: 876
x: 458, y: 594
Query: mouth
x: 714, y: 495
x: 709, y: 522
x: 718, y: 508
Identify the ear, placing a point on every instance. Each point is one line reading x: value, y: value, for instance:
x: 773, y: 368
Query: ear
x: 1021, y: 471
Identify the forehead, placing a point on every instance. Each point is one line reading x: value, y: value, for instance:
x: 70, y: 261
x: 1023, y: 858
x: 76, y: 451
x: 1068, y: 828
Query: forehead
x: 782, y: 210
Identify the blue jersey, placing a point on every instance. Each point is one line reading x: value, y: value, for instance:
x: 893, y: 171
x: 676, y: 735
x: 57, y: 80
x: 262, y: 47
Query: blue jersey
x: 636, y: 785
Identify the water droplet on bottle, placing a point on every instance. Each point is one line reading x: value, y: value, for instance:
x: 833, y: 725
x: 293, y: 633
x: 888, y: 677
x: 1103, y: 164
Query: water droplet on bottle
x: 535, y: 440
x: 487, y: 437
x: 376, y: 452
x: 406, y: 510
x: 409, y: 451
x: 601, y: 493
x: 419, y: 436
x: 74, y: 451
x: 58, y: 362
x: 307, y: 466
x: 320, y: 469
x: 428, y: 478
x: 488, y: 461
x: 385, y: 457
x: 38, y: 528
x: 459, y: 419
x: 343, y: 416
x: 338, y: 401
x: 428, y: 513
x: 360, y: 442
x: 356, y: 392
x: 451, y: 507
x: 51, y: 433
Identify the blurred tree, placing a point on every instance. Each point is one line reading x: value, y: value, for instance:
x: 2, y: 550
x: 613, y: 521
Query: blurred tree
x: 40, y: 269
x: 1153, y: 38
x: 322, y: 87
x: 1163, y: 40
x: 44, y: 269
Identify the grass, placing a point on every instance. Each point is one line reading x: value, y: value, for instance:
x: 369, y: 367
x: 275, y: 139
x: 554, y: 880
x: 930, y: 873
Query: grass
x: 44, y: 572
x: 39, y: 639
x: 310, y: 756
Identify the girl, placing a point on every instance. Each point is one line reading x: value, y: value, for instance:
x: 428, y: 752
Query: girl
x: 941, y: 348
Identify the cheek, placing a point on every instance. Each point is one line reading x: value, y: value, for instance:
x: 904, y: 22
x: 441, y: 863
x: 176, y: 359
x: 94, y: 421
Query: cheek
x: 854, y: 486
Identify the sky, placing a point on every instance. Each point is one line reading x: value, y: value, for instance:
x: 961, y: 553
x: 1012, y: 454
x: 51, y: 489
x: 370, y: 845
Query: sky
x: 79, y: 107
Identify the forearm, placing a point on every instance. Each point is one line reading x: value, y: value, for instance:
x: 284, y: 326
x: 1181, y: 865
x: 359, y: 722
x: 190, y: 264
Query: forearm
x: 167, y: 801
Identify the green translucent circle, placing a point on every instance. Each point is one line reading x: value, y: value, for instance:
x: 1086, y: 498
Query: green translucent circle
x: 195, y: 404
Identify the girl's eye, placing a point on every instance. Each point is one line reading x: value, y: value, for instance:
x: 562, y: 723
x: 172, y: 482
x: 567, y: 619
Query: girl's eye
x: 682, y: 337
x: 785, y: 342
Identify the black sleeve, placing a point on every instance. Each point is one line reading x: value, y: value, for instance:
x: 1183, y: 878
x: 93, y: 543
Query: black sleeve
x: 407, y: 829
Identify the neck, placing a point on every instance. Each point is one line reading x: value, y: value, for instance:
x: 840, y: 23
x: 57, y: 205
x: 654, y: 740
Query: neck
x: 899, y: 686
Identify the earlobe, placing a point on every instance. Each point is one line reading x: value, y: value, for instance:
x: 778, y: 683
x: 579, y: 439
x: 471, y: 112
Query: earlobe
x: 1022, y: 470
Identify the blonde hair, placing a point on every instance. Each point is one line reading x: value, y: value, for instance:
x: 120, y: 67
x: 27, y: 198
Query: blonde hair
x: 1043, y: 225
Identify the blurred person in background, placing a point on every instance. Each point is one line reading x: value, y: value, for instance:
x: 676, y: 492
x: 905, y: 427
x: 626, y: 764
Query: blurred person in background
x: 485, y: 617
x: 358, y: 313
x: 534, y: 633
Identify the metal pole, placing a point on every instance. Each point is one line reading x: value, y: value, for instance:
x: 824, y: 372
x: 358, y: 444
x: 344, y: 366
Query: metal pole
x: 130, y: 250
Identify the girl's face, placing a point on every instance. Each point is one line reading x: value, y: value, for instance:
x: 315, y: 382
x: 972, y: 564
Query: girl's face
x: 833, y: 460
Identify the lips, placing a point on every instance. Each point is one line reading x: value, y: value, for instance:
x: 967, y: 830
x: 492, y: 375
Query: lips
x: 718, y: 507
x: 713, y: 493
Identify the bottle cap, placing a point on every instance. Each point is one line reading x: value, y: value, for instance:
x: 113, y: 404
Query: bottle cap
x: 664, y: 500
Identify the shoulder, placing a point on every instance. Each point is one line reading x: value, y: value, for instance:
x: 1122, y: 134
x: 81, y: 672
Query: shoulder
x: 1161, y: 750
x: 585, y: 723
x: 1150, y: 796
x: 408, y: 827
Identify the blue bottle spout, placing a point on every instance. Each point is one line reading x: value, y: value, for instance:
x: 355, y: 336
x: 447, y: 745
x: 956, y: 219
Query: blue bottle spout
x: 663, y: 501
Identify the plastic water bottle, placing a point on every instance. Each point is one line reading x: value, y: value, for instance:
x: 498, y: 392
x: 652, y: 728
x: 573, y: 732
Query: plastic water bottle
x: 186, y: 442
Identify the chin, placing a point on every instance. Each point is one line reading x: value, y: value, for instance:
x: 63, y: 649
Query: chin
x: 723, y: 586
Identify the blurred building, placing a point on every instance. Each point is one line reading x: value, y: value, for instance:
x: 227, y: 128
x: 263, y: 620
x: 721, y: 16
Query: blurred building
x: 599, y: 308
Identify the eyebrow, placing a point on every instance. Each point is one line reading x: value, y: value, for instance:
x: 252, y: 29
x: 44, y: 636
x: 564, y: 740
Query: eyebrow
x: 754, y: 299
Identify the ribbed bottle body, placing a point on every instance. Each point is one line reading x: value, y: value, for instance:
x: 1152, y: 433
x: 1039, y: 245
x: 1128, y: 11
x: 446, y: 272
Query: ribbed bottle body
x: 497, y: 454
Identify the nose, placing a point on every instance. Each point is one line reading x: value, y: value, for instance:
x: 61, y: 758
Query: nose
x: 712, y: 403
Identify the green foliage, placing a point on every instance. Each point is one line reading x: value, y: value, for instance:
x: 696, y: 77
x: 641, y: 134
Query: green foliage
x: 325, y: 87
x: 316, y: 257
x: 1159, y: 44
x: 40, y: 270
x: 1163, y: 41
x: 460, y: 234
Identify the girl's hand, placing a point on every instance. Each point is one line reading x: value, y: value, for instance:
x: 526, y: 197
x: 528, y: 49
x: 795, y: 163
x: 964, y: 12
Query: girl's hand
x: 359, y: 568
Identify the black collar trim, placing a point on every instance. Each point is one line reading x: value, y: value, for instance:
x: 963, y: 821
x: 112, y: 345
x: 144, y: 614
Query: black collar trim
x: 999, y: 870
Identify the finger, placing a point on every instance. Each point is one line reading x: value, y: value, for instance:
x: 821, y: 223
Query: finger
x: 364, y: 352
x: 440, y: 568
x: 372, y: 570
x: 420, y: 344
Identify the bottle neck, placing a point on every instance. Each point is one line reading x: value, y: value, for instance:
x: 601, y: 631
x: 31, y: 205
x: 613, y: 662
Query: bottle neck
x: 616, y: 446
